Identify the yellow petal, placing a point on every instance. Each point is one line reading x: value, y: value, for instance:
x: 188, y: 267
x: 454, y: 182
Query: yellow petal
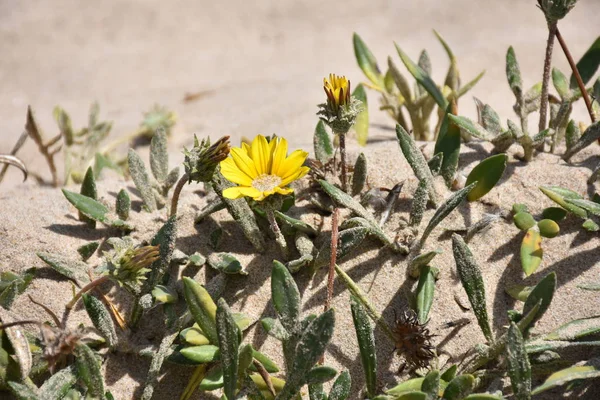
x: 246, y: 148
x: 241, y: 191
x: 279, y: 155
x: 260, y: 154
x: 292, y: 164
x: 232, y: 173
x: 301, y: 172
x: 284, y: 191
x: 244, y: 162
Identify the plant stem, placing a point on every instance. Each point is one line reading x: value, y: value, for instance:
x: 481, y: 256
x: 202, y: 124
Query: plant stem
x: 123, y: 139
x: 278, y: 235
x: 333, y: 258
x: 552, y: 27
x: 176, y: 192
x: 584, y: 93
x: 86, y: 289
x: 265, y: 375
x: 13, y: 152
x: 343, y: 160
x: 358, y: 293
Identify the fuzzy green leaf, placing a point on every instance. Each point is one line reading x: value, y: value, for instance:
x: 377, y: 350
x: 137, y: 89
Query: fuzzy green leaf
x: 423, y: 78
x: 345, y: 200
x: 445, y: 209
x: 285, y: 296
x: 202, y: 307
x: 417, y: 161
x: 448, y: 143
x: 425, y: 290
x: 159, y: 157
x: 226, y: 263
x: 87, y: 250
x: 472, y: 281
x: 587, y: 65
x: 341, y: 387
x: 58, y: 384
x: 22, y: 392
x: 367, y: 62
x: 543, y: 291
x: 431, y: 385
x: 513, y: 73
x: 87, y: 206
x: 471, y: 127
x: 321, y: 374
x: 101, y: 318
x: 418, y: 204
x: 322, y: 143
x: 519, y: 369
x: 459, y: 387
x: 88, y: 188
x: 361, y: 124
x: 295, y: 223
x: 123, y: 205
x: 230, y: 338
x: 359, y: 177
x: 140, y: 177
x: 559, y: 196
x: 487, y: 174
x: 589, y: 206
x: 72, y: 269
x: 89, y: 370
x: 366, y: 344
x: 567, y: 375
x: 591, y: 135
x: 576, y: 329
x: 560, y: 84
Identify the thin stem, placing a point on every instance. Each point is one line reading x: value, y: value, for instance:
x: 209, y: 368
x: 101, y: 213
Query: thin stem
x: 278, y: 235
x: 123, y: 139
x: 176, y: 192
x: 333, y: 259
x: 358, y: 293
x: 14, y: 152
x: 86, y: 289
x: 265, y: 375
x: 343, y: 160
x: 552, y: 27
x: 584, y: 93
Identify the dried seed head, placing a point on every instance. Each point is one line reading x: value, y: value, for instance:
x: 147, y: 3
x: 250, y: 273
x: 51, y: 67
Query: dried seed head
x: 413, y: 340
x: 59, y: 344
x: 202, y: 160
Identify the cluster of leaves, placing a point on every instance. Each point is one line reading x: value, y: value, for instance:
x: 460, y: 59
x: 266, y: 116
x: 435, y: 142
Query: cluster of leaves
x: 422, y: 99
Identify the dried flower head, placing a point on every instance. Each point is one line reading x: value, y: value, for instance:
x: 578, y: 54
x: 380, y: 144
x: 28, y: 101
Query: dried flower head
x: 202, y: 160
x: 413, y: 340
x: 555, y: 10
x: 128, y: 264
x: 262, y: 168
x: 341, y: 109
x: 59, y: 344
x: 158, y: 118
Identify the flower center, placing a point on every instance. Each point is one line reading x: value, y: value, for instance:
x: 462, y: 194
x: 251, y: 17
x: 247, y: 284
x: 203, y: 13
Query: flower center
x: 265, y: 183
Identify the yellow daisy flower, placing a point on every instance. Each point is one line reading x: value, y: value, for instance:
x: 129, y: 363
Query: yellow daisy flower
x: 337, y: 89
x: 262, y: 168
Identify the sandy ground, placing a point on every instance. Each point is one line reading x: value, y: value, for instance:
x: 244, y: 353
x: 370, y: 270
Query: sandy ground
x: 261, y: 66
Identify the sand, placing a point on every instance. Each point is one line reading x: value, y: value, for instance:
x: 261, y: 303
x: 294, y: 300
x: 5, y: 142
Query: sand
x: 260, y: 67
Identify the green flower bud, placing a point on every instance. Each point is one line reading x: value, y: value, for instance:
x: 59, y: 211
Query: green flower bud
x: 127, y: 263
x: 555, y: 10
x: 158, y: 118
x: 202, y: 160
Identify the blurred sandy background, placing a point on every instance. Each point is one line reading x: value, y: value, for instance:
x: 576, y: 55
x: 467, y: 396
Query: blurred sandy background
x: 259, y: 64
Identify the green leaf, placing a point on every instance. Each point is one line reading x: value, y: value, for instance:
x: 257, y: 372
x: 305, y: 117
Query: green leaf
x: 341, y: 387
x: 310, y: 348
x: 524, y: 221
x: 202, y: 308
x: 589, y: 206
x: 22, y: 392
x: 543, y: 291
x: 459, y: 387
x: 413, y: 395
x: 450, y: 373
x: 472, y: 281
x: 201, y: 354
x: 423, y: 78
x: 470, y: 85
x: 295, y: 223
x: 343, y: 199
x: 359, y: 176
x: 559, y: 196
x: 448, y: 143
x: 101, y: 162
x: 587, y: 65
x: 483, y: 396
x: 285, y: 296
x: 193, y: 335
x: 591, y: 135
x: 88, y: 188
x: 567, y: 375
x: 519, y: 292
x: 576, y: 329
x: 123, y: 205
x: 226, y: 263
x: 140, y: 177
x: 87, y: 250
x: 72, y: 269
x: 58, y: 385
x: 89, y: 370
x: 164, y: 295
x: 230, y: 338
x: 519, y: 369
x: 590, y: 225
x: 417, y: 161
x: 425, y: 290
x: 431, y: 385
x: 487, y: 174
x: 531, y: 251
x: 548, y: 228
x: 87, y: 206
x: 560, y: 84
x: 213, y: 380
x: 453, y: 76
x: 445, y: 209
x: 367, y: 62
x: 513, y: 73
x: 471, y: 127
x: 361, y: 124
x: 322, y: 143
x: 101, y: 319
x: 159, y: 157
x: 321, y: 374
x: 366, y: 344
x: 409, y: 385
x: 269, y: 364
x: 401, y: 83
x: 556, y: 214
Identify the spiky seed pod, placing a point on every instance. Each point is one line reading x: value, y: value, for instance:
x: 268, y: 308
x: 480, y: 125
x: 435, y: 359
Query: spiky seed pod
x: 202, y: 160
x: 413, y: 340
x: 59, y: 344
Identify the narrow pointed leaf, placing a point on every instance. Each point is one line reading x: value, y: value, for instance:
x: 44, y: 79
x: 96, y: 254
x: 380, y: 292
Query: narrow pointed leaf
x: 448, y: 143
x: 543, y: 291
x: 341, y: 387
x: 87, y: 206
x: 322, y: 143
x: 101, y: 318
x: 367, y: 62
x: 229, y: 342
x: 361, y: 124
x: 431, y: 385
x: 459, y: 387
x: 587, y: 65
x: 359, y: 177
x: 140, y: 177
x: 567, y: 375
x: 471, y: 127
x: 591, y: 135
x: 425, y: 291
x: 159, y: 158
x: 487, y: 174
x: 285, y: 296
x: 366, y: 344
x: 89, y: 370
x: 576, y: 329
x: 202, y: 308
x: 559, y: 196
x: 519, y: 369
x: 513, y: 73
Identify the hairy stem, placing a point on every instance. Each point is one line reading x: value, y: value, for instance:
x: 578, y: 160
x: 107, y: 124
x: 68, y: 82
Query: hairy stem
x: 176, y: 192
x: 343, y: 161
x: 584, y: 93
x: 552, y: 27
x: 333, y: 259
x: 86, y: 289
x: 278, y: 235
x: 265, y: 375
